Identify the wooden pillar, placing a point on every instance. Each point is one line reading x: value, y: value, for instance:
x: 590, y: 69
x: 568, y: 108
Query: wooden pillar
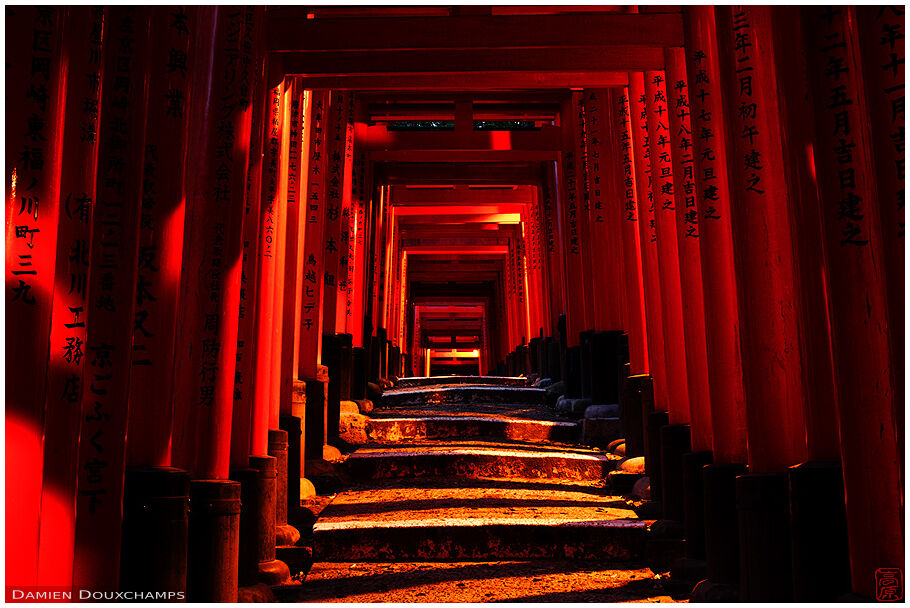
x: 606, y: 247
x: 161, y: 240
x: 881, y: 34
x: 710, y: 135
x: 664, y: 201
x: 573, y: 222
x: 335, y: 147
x: 689, y: 240
x: 858, y: 304
x: 65, y: 381
x: 633, y: 292
x: 34, y: 77
x: 347, y: 243
x: 647, y: 231
x: 266, y: 400
x: 281, y: 379
x: 763, y: 247
x: 547, y: 197
x: 111, y: 292
x: 247, y: 331
x: 358, y: 263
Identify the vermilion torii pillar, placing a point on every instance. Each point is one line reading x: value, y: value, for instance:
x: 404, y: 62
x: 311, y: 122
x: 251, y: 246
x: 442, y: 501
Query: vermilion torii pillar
x: 111, y: 291
x: 647, y: 235
x: 663, y: 192
x: 858, y: 305
x: 881, y: 35
x: 709, y: 137
x: 573, y: 221
x: 605, y: 225
x: 546, y: 195
x: 336, y: 165
x: 65, y: 383
x: 313, y: 216
x: 769, y: 298
x: 207, y: 320
x: 689, y: 247
x: 35, y: 89
x: 629, y: 210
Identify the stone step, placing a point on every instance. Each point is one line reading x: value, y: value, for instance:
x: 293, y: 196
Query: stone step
x: 419, y: 381
x: 467, y: 394
x: 480, y: 460
x: 392, y: 430
x: 446, y: 521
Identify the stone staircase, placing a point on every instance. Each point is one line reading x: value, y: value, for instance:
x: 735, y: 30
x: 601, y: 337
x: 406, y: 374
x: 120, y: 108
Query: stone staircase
x: 476, y: 476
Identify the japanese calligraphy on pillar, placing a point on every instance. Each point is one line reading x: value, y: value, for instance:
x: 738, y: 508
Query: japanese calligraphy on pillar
x: 334, y: 248
x: 630, y: 207
x: 842, y: 115
x: 160, y: 234
x: 66, y: 358
x: 706, y: 114
x: 679, y: 102
x: 882, y: 29
x: 592, y: 110
x: 645, y: 145
x: 111, y: 293
x: 747, y: 111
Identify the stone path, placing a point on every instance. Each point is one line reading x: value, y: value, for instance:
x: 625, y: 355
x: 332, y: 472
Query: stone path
x: 454, y: 501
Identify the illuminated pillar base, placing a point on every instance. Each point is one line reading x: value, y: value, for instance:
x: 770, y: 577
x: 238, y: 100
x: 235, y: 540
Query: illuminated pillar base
x: 247, y: 564
x: 214, y: 541
x: 153, y: 556
x: 675, y: 440
x: 762, y: 501
x: 285, y: 534
x: 818, y: 527
x: 332, y: 359
x: 269, y: 570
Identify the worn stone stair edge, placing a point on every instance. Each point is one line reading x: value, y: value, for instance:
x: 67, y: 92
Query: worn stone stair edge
x: 480, y: 452
x: 475, y: 419
x: 479, y: 523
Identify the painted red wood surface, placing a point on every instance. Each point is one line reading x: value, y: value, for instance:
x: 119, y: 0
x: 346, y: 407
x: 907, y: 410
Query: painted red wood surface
x: 605, y: 221
x: 244, y: 375
x: 710, y: 134
x: 160, y: 238
x: 647, y: 236
x: 265, y: 401
x: 858, y: 309
x: 630, y: 217
x: 111, y: 290
x: 314, y: 210
x: 212, y: 263
x: 280, y: 391
x: 663, y: 195
x: 65, y: 382
x: 688, y: 232
x: 763, y: 247
x: 35, y: 88
x: 336, y: 147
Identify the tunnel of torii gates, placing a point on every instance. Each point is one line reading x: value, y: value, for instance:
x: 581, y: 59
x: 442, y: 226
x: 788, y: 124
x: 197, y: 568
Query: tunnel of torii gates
x: 221, y: 221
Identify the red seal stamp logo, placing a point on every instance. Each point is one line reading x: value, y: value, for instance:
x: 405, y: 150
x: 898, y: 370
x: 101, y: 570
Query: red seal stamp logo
x: 889, y: 584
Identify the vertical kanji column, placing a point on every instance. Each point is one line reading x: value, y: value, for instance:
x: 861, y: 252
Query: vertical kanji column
x: 336, y: 145
x: 688, y: 238
x: 149, y: 476
x: 647, y: 236
x: 347, y: 241
x: 664, y: 201
x: 858, y: 305
x: 769, y: 300
x: 881, y: 32
x: 710, y: 135
x: 210, y: 299
x: 111, y: 292
x: 633, y: 293
x: 62, y: 420
x: 34, y: 81
x: 546, y: 194
x: 654, y: 412
x: 313, y: 215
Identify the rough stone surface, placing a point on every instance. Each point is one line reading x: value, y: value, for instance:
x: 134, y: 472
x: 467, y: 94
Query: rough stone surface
x: 487, y: 581
x: 455, y: 380
x: 365, y: 405
x: 255, y: 594
x: 708, y: 592
x: 632, y: 465
x: 602, y: 411
x: 349, y: 407
x: 612, y: 445
x: 572, y: 406
x: 391, y: 430
x: 353, y: 428
x: 642, y: 489
x: 600, y: 431
x: 543, y: 382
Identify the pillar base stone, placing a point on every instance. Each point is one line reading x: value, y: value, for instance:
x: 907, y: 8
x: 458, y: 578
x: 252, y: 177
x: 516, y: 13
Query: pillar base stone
x: 766, y: 572
x: 274, y: 572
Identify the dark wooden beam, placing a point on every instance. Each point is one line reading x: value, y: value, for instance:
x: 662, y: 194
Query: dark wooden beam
x: 462, y: 173
x: 584, y: 59
x: 376, y: 137
x: 294, y: 32
x: 501, y: 80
